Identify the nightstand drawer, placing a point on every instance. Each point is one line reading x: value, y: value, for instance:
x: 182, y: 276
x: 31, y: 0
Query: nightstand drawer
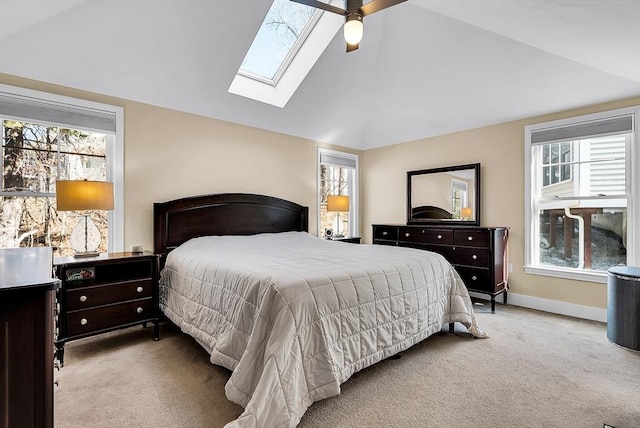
x: 105, y: 272
x: 88, y: 297
x: 104, y: 317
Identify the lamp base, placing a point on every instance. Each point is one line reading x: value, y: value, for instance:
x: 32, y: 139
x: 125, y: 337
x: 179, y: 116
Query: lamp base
x: 81, y: 254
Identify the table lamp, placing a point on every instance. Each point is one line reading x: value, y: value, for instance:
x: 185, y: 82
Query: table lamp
x: 338, y: 203
x: 84, y: 195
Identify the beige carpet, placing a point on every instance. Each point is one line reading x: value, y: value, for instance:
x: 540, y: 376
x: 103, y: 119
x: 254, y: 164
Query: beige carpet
x: 536, y: 370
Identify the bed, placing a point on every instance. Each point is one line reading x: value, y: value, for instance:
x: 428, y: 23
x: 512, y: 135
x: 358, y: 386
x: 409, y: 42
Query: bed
x: 292, y: 315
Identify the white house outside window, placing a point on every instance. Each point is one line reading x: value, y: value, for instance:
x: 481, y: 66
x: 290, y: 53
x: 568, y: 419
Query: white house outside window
x: 46, y: 138
x: 582, y: 195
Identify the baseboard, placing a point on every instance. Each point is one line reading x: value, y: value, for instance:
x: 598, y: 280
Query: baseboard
x: 553, y: 306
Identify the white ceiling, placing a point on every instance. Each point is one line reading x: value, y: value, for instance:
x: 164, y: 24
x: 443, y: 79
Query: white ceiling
x: 424, y: 67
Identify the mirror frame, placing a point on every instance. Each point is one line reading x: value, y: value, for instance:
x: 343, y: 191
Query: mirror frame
x: 476, y: 200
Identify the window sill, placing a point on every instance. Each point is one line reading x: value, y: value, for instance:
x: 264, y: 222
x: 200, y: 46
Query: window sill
x: 573, y: 274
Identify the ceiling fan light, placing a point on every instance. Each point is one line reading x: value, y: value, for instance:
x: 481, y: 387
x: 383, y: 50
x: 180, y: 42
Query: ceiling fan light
x: 353, y: 29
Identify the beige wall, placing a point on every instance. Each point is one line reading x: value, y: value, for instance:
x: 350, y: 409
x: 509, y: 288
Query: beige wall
x: 500, y: 150
x: 170, y: 154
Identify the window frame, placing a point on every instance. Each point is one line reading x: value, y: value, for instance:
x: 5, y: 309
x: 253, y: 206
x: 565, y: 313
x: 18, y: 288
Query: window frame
x: 354, y: 205
x: 114, y: 150
x: 298, y: 65
x: 632, y: 165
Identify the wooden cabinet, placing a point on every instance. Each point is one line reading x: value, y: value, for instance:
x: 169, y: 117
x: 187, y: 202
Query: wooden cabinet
x: 26, y: 337
x: 479, y: 254
x: 105, y: 293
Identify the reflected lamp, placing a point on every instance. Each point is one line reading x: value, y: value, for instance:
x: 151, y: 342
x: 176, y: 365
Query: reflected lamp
x: 465, y: 213
x: 84, y: 195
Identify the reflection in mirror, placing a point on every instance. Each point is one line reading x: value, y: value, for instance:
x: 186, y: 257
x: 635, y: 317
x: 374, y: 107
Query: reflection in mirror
x: 448, y: 195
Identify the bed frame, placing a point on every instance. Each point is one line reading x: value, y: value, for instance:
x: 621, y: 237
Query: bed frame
x: 177, y: 221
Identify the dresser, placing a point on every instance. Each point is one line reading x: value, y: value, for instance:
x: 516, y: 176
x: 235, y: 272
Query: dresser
x: 27, y: 291
x: 105, y: 293
x: 479, y: 254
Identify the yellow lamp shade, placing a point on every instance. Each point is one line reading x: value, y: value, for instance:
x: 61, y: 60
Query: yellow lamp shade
x: 79, y: 195
x: 466, y: 212
x: 337, y: 203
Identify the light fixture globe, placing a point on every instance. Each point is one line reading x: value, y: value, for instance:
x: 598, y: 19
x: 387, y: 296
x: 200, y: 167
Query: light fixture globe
x: 353, y: 29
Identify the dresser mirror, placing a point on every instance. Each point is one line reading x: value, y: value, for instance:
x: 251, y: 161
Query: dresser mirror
x: 447, y: 195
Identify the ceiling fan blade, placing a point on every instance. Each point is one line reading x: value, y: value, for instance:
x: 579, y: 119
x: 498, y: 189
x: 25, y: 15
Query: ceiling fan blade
x: 353, y: 47
x: 377, y: 5
x: 321, y: 5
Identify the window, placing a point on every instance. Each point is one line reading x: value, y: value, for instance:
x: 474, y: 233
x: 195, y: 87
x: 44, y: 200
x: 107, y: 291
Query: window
x: 282, y: 33
x: 337, y: 175
x: 582, y: 195
x: 289, y: 42
x: 46, y: 138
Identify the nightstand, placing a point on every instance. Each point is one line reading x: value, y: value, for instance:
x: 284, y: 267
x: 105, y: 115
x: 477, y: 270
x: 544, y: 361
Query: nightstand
x: 105, y: 293
x: 349, y: 239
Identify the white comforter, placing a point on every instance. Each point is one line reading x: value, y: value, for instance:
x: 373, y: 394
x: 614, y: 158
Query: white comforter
x: 294, y: 316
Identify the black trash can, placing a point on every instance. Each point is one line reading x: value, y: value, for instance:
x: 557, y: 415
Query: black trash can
x: 623, y: 306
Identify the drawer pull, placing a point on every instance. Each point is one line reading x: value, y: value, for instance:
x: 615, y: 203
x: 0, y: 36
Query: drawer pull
x: 470, y: 238
x: 407, y: 234
x: 439, y: 236
x: 474, y: 257
x: 83, y: 321
x: 474, y: 277
x: 139, y: 310
x: 385, y: 233
x: 139, y: 289
x: 83, y: 298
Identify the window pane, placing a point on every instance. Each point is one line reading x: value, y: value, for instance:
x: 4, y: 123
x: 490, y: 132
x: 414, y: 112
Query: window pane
x: 33, y: 157
x: 33, y: 221
x: 555, y: 153
x: 282, y: 26
x: 546, y: 176
x: 601, y: 230
x: 28, y: 157
x: 545, y: 154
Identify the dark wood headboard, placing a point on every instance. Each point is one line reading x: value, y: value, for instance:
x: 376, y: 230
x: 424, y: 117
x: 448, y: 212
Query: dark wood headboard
x: 177, y: 221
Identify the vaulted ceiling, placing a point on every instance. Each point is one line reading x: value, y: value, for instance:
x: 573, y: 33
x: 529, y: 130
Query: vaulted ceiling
x: 424, y: 67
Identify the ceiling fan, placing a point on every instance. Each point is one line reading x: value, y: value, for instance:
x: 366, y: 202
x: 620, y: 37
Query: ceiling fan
x: 353, y: 12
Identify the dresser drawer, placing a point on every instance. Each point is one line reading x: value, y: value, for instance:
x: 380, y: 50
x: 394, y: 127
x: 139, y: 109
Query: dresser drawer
x: 475, y: 238
x: 88, y: 297
x: 469, y: 256
x: 385, y: 232
x: 475, y: 278
x: 103, y: 317
x: 427, y: 236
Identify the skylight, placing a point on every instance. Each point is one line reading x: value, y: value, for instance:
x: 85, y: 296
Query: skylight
x: 281, y: 34
x: 289, y: 42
